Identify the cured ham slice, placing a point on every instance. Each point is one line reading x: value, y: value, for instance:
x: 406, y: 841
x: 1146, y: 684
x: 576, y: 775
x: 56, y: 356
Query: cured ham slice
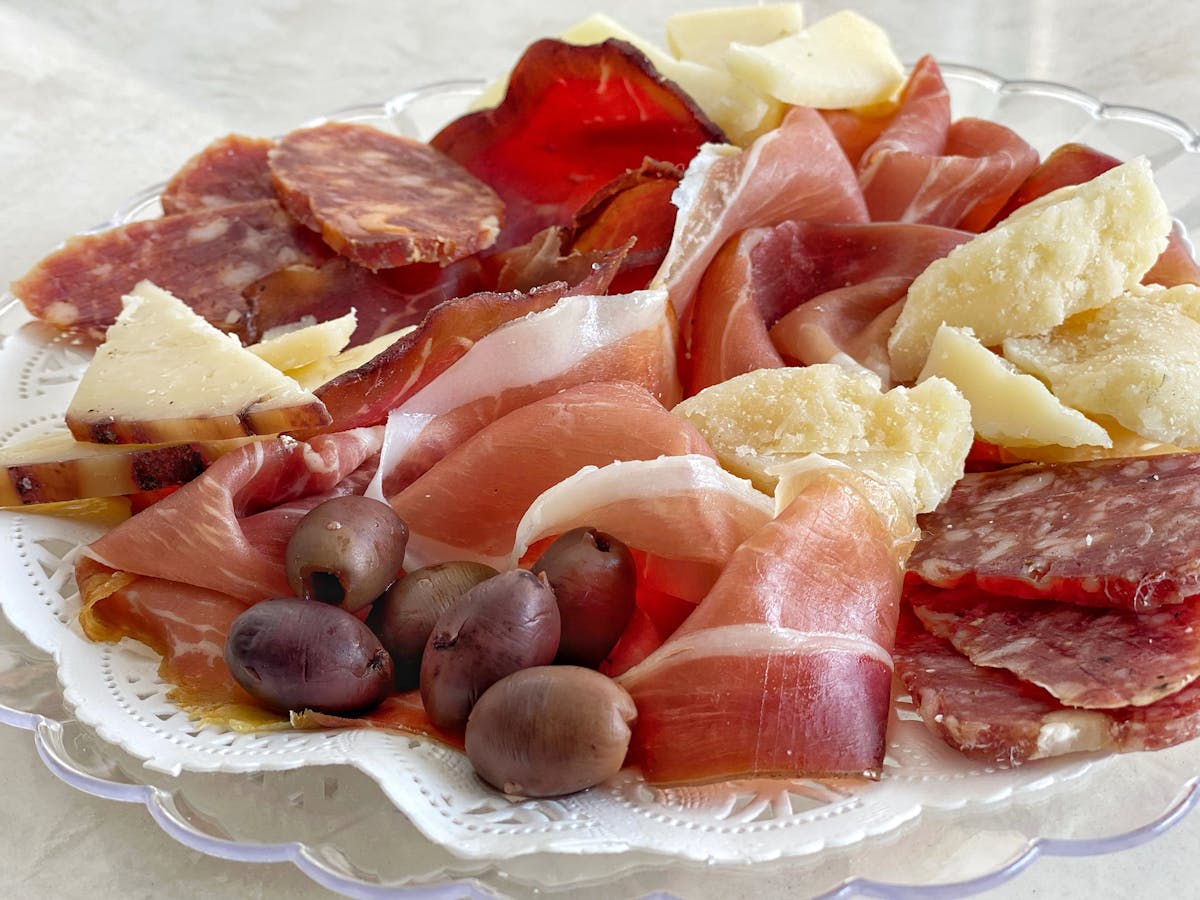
x: 1113, y: 533
x: 785, y: 667
x: 821, y: 290
x: 546, y: 160
x: 241, y: 511
x: 685, y: 510
x: 629, y: 338
x: 205, y: 258
x: 996, y: 718
x: 796, y: 171
x: 230, y: 170
x: 468, y: 505
x: 1083, y: 656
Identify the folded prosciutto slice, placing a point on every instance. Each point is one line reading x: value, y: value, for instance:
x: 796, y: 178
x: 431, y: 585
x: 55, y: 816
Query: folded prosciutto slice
x: 993, y: 716
x: 1115, y: 533
x: 468, y: 505
x: 785, y: 667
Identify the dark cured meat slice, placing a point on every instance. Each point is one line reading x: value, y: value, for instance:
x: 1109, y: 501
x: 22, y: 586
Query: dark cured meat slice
x: 544, y: 260
x: 230, y: 170
x: 995, y: 717
x: 383, y: 200
x: 206, y: 259
x: 574, y: 118
x: 1084, y: 656
x: 1118, y: 533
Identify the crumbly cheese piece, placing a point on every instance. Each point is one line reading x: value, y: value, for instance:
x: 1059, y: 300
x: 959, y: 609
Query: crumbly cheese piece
x: 165, y: 374
x: 844, y: 60
x: 301, y: 346
x: 1074, y: 249
x: 1008, y: 407
x: 1136, y: 359
x: 759, y: 422
x: 315, y: 374
x: 703, y: 35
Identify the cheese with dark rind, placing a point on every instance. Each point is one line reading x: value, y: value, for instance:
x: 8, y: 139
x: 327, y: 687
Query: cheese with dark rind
x: 163, y: 374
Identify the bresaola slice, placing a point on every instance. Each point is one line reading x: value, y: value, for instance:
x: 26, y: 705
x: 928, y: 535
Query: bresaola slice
x: 1117, y: 533
x: 545, y: 159
x: 380, y: 199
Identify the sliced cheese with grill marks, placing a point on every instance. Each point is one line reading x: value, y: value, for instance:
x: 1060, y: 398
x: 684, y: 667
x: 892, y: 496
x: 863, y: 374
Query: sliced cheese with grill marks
x: 163, y: 374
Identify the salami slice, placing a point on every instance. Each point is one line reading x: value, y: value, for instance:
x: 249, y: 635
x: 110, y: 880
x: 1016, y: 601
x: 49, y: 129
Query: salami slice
x: 1084, y: 656
x: 230, y: 170
x: 995, y: 717
x: 1119, y: 533
x: 204, y: 258
x: 383, y: 200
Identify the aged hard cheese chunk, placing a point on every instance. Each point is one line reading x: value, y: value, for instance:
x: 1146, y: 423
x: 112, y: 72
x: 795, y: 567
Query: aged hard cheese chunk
x: 308, y: 344
x: 164, y: 374
x: 761, y: 422
x: 703, y: 35
x: 842, y: 61
x: 1073, y: 249
x: 56, y: 468
x: 1136, y: 359
x: 318, y: 372
x: 1008, y: 408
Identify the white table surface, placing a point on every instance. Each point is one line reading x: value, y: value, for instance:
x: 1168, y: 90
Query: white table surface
x: 98, y: 100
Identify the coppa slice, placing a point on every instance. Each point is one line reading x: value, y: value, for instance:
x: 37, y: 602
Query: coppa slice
x: 1117, y: 533
x: 164, y: 374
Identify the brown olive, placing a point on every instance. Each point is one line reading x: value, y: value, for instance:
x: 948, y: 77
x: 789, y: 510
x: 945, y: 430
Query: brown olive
x: 346, y: 551
x: 594, y: 577
x: 405, y: 615
x: 506, y: 623
x: 550, y: 730
x: 297, y: 654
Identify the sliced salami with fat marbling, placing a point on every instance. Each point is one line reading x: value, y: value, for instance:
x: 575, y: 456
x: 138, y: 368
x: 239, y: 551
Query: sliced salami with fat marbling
x: 230, y: 170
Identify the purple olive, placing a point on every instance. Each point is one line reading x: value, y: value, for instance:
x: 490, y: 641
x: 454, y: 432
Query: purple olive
x: 346, y: 551
x: 550, y: 730
x: 404, y: 616
x: 595, y: 580
x: 506, y: 623
x: 296, y: 654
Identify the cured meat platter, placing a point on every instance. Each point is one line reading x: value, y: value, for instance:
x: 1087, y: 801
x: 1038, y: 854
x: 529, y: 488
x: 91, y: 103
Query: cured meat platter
x: 110, y: 728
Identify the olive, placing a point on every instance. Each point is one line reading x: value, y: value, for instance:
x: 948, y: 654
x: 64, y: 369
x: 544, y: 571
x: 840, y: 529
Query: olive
x: 297, y: 654
x: 550, y: 730
x: 506, y: 623
x: 406, y: 614
x: 595, y: 580
x: 346, y: 551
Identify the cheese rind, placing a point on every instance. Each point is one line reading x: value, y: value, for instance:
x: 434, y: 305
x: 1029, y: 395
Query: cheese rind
x: 163, y: 374
x: 1008, y: 407
x: 1073, y: 249
x: 1136, y: 359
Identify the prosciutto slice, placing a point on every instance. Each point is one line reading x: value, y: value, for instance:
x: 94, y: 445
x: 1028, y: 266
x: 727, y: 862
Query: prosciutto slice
x: 796, y: 171
x: 468, y: 505
x: 580, y: 339
x: 1116, y: 533
x: 1084, y: 656
x: 993, y: 716
x: 785, y: 666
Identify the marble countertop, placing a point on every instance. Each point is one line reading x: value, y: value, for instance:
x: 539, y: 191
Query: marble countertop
x: 97, y: 101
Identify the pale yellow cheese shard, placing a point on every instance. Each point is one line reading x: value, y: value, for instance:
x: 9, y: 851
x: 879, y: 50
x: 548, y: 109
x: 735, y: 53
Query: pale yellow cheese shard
x: 703, y: 35
x: 319, y: 372
x: 844, y: 60
x: 1074, y: 249
x: 301, y: 346
x: 1008, y: 407
x: 761, y: 421
x: 164, y: 374
x: 1136, y: 359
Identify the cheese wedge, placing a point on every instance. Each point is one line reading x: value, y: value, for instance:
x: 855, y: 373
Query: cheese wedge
x: 312, y: 376
x: 56, y: 468
x: 844, y: 60
x: 1073, y: 249
x: 298, y: 347
x: 164, y: 375
x: 703, y: 35
x: 1008, y: 407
